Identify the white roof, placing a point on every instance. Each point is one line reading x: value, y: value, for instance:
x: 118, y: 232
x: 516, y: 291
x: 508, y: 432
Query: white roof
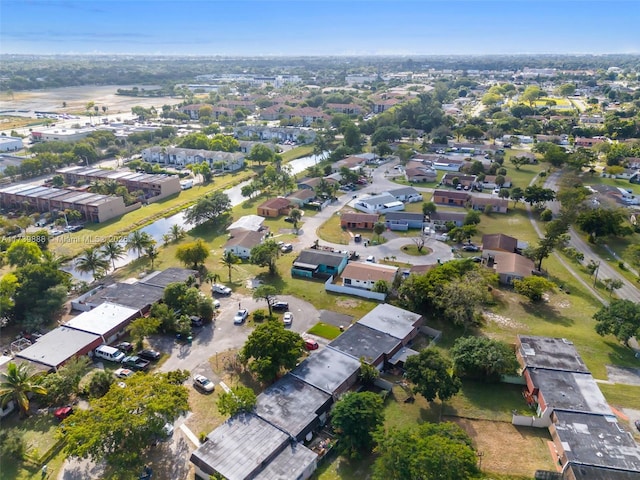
x: 248, y: 222
x: 102, y: 319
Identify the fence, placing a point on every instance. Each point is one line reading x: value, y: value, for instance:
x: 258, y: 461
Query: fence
x: 431, y: 332
x: 329, y: 286
x: 530, y: 421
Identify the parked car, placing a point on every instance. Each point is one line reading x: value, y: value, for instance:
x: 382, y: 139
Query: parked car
x: 240, y: 316
x: 357, y: 238
x: 287, y: 319
x: 124, y: 347
x: 470, y: 248
x: 216, y: 304
x: 63, y: 412
x: 371, y: 259
x: 477, y: 259
x: 310, y: 344
x: 280, y: 306
x: 149, y: 354
x: 203, y: 384
x: 286, y: 248
x: 196, y: 321
x: 136, y: 363
x: 221, y: 289
x: 288, y: 219
x: 123, y: 373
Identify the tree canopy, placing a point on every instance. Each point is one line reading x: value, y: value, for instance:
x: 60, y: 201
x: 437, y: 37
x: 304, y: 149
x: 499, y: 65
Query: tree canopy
x: 355, y: 417
x: 620, y: 318
x: 239, y: 399
x: 483, y: 358
x: 271, y: 348
x: 124, y: 422
x: 432, y: 376
x: 193, y: 253
x: 265, y: 255
x: 208, y: 208
x: 17, y: 382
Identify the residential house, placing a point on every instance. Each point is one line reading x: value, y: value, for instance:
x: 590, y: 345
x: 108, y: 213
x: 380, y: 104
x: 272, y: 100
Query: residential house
x: 548, y: 353
x: 329, y: 370
x: 468, y: 181
x: 498, y: 242
x: 374, y: 347
x: 60, y: 345
x: 279, y: 134
x: 382, y: 203
x: 451, y: 198
x: 107, y: 320
x: 442, y: 218
x: 193, y: 110
x: 345, y: 108
x: 587, y: 142
x: 448, y: 164
x: 498, y: 205
x: 162, y: 278
x: 248, y: 222
x: 136, y: 295
x: 626, y: 174
x: 632, y: 163
x: 365, y: 274
x: 403, y: 221
x: 274, y: 207
x: 180, y: 157
x: 314, y: 182
x: 302, y: 197
x: 384, y: 104
x: 348, y: 162
x: 312, y: 263
x: 394, y: 321
x: 364, y: 221
x: 510, y: 267
x: 242, y: 241
x: 406, y: 194
x: 420, y: 174
x: 309, y: 115
x: 489, y: 182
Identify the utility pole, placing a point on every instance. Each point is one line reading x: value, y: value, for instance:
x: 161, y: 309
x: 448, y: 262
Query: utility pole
x: 595, y: 274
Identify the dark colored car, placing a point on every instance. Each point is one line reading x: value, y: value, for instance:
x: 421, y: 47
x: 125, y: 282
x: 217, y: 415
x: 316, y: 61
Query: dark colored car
x: 288, y: 219
x: 125, y: 347
x: 637, y: 424
x: 136, y: 363
x: 149, y: 354
x: 280, y: 306
x: 357, y: 238
x: 470, y: 248
x: 196, y: 321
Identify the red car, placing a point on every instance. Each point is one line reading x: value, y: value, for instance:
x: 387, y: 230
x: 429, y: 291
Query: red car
x: 63, y: 412
x: 310, y: 344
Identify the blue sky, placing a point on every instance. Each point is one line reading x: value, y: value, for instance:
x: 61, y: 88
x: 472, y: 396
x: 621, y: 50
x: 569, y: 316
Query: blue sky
x: 313, y: 27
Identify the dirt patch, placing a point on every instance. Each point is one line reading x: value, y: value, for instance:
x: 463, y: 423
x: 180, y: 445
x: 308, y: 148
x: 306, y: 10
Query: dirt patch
x: 562, y: 304
x: 625, y: 375
x: 506, y: 448
x: 347, y: 303
x: 503, y: 321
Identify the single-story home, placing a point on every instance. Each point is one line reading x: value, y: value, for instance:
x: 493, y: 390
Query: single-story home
x: 420, y: 174
x: 442, y: 218
x: 301, y: 197
x: 587, y: 142
x: 365, y: 275
x: 379, y: 204
x: 360, y: 341
x: 314, y: 182
x: 489, y: 182
x: 108, y: 320
x: 447, y: 197
x: 330, y: 370
x: 162, y: 278
x: 364, y: 221
x: 464, y: 180
x: 404, y: 220
x: 318, y: 263
x: 406, y: 194
x: 511, y: 266
x: 394, y: 321
x: 136, y: 295
x: 274, y: 207
x: 447, y: 164
x: 498, y: 242
x: 242, y: 241
x: 60, y: 345
x: 248, y: 222
x: 498, y: 205
x: 349, y: 162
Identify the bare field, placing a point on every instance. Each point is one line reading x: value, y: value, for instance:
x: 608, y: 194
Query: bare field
x: 76, y: 99
x: 508, y: 449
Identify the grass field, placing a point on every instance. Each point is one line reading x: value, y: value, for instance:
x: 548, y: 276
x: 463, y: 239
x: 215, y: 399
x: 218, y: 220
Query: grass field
x: 325, y: 331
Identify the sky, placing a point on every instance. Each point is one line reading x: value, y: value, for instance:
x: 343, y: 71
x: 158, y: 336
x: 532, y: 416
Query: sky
x: 319, y: 27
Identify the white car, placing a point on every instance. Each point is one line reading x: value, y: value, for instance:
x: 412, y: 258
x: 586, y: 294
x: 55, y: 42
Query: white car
x: 216, y: 303
x: 241, y: 316
x: 287, y: 318
x: 123, y: 373
x: 221, y: 289
x: 203, y: 383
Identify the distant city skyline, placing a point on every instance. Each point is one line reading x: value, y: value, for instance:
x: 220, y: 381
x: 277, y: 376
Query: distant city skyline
x: 311, y: 27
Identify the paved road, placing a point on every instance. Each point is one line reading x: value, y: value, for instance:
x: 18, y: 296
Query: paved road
x: 628, y: 290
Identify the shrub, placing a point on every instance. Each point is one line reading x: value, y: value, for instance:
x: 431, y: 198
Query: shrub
x: 259, y: 315
x: 546, y: 215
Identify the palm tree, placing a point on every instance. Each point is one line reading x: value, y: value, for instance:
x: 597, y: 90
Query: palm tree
x: 152, y: 252
x: 17, y: 382
x: 212, y: 278
x: 92, y: 261
x: 176, y: 232
x: 295, y: 215
x: 138, y: 241
x: 113, y: 251
x: 229, y: 259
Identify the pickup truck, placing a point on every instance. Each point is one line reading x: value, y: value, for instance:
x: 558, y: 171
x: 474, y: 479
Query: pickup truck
x: 135, y: 363
x: 221, y: 289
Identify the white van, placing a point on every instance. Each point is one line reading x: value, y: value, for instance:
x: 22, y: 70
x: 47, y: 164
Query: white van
x: 106, y: 352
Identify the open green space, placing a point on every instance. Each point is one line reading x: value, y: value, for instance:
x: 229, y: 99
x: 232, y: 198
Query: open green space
x: 621, y: 396
x: 331, y: 231
x: 325, y: 330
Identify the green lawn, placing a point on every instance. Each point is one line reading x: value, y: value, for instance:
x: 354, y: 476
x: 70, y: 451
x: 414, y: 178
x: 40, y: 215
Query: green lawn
x: 621, y: 396
x: 331, y: 231
x: 324, y: 330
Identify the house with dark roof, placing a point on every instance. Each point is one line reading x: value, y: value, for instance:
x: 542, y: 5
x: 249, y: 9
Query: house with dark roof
x: 242, y: 241
x: 301, y: 197
x: 170, y: 275
x: 442, y: 218
x: 363, y: 221
x: 314, y: 182
x: 406, y: 194
x: 549, y: 353
x: 312, y: 263
x: 510, y: 266
x: 451, y: 198
x: 497, y: 205
x: 136, y: 295
x: 274, y: 207
x: 420, y: 174
x: 464, y: 180
x: 403, y: 221
x: 498, y: 242
x: 330, y: 370
x: 373, y: 346
x: 399, y: 323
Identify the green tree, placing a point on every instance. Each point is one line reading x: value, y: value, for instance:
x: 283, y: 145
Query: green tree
x: 267, y: 293
x: 611, y: 284
x: 531, y: 94
x: 428, y: 208
x: 271, y: 348
x: 176, y: 232
x: 295, y: 215
x: 22, y: 252
x: 427, y: 452
x: 555, y: 232
x: 472, y: 217
x: 152, y: 253
x: 266, y: 255
x: 483, y: 358
x: 516, y: 194
x: 100, y: 383
x: 381, y: 286
x: 113, y: 251
x: 533, y: 287
x: 229, y: 260
x: 91, y: 260
x: 354, y: 418
x: 193, y: 253
x: 378, y: 229
x: 633, y: 252
x: 368, y: 373
x: 8, y: 287
x: 602, y: 222
x: 17, y: 382
x: 138, y: 241
x: 459, y: 300
x: 121, y: 424
x: 239, y: 399
x: 62, y: 385
x: 620, y: 318
x: 431, y: 375
x: 261, y: 153
x: 143, y: 327
x: 208, y: 208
